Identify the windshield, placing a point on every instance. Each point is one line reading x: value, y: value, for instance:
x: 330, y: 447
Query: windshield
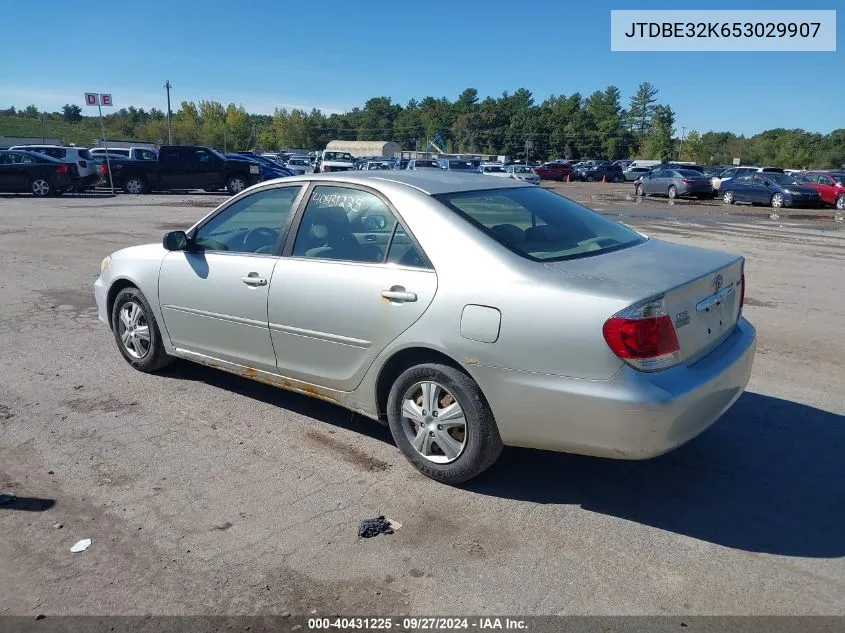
x: 539, y: 224
x: 494, y: 169
x: 460, y: 164
x: 522, y: 170
x: 342, y: 156
x: 216, y: 153
x: 425, y: 163
x: 298, y: 161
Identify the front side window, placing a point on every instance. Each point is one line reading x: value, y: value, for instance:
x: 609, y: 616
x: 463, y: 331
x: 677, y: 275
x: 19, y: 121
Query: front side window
x: 824, y: 180
x: 253, y: 224
x: 342, y: 223
x: 539, y: 224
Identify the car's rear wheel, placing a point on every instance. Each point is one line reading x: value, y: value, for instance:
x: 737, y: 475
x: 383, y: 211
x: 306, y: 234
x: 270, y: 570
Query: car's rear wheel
x: 840, y: 202
x: 728, y: 197
x: 135, y: 185
x: 236, y: 184
x: 442, y: 423
x: 136, y: 332
x: 639, y: 191
x: 590, y: 179
x: 777, y: 200
x: 617, y: 179
x: 40, y: 187
x: 673, y: 192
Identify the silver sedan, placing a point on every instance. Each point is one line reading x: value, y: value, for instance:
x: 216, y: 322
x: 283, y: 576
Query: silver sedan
x: 466, y: 313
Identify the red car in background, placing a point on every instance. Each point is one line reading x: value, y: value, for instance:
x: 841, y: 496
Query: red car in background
x: 829, y: 184
x: 553, y: 171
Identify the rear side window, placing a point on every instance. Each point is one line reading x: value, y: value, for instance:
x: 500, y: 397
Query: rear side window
x: 84, y: 154
x: 540, y: 225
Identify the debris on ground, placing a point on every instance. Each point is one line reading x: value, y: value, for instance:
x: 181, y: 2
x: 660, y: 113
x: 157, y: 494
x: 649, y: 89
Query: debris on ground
x: 58, y: 526
x: 81, y: 546
x: 380, y: 525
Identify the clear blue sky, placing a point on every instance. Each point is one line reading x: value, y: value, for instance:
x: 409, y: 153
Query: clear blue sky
x: 334, y: 55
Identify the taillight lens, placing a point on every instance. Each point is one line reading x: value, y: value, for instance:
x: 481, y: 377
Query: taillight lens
x: 643, y: 336
x: 61, y: 169
x: 104, y: 169
x: 687, y: 181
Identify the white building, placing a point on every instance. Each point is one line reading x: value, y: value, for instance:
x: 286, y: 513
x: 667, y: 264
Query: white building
x: 384, y: 149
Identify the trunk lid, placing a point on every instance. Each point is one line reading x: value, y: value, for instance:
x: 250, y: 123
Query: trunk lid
x: 701, y: 287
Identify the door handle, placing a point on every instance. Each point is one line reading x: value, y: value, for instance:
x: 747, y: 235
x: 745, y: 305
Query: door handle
x: 252, y: 279
x: 399, y: 296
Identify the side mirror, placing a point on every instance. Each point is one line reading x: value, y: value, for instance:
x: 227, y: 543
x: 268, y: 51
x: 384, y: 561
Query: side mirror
x: 175, y: 241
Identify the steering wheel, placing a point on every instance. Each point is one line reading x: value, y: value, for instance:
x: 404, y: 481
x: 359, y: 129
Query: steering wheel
x: 256, y: 240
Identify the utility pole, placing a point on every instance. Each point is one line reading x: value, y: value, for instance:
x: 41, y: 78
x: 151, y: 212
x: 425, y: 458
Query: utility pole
x: 225, y: 148
x: 43, y: 133
x: 168, y: 86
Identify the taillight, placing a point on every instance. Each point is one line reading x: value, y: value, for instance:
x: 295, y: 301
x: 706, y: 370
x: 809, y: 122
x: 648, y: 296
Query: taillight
x: 61, y: 169
x: 104, y: 169
x: 643, y: 336
x: 687, y: 181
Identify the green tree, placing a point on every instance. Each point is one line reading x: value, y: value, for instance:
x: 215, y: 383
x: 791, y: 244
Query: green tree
x: 642, y: 108
x: 31, y: 112
x: 659, y: 143
x: 71, y: 113
x: 693, y: 148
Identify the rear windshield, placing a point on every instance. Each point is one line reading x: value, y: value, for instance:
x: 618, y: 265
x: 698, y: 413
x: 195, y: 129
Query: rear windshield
x: 539, y: 224
x: 344, y: 156
x: 460, y: 164
x: 425, y: 163
x: 522, y: 170
x: 490, y: 169
x: 689, y: 173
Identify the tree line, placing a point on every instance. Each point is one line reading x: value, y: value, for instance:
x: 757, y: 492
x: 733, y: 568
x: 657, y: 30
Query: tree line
x: 597, y: 126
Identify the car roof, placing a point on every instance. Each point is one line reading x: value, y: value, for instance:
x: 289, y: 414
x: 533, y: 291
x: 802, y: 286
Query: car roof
x: 429, y: 182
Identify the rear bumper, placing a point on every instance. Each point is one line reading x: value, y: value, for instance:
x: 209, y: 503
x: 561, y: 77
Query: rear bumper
x: 634, y: 415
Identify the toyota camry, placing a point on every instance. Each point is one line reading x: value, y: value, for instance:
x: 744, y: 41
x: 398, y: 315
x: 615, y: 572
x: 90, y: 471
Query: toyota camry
x: 465, y: 313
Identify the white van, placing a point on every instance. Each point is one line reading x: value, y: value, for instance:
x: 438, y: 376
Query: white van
x: 644, y: 163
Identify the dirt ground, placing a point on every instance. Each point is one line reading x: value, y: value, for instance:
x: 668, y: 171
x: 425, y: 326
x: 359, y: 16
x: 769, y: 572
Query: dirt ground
x: 205, y: 493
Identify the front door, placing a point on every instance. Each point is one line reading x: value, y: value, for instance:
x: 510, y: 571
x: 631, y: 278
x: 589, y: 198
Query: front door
x: 214, y: 296
x: 354, y: 281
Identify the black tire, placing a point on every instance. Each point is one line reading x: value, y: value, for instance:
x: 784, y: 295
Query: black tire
x: 590, y: 179
x: 840, y: 202
x: 232, y: 183
x: 728, y: 197
x: 135, y: 185
x: 41, y: 187
x: 639, y: 191
x: 673, y: 192
x: 617, y: 179
x: 156, y: 357
x: 482, y: 446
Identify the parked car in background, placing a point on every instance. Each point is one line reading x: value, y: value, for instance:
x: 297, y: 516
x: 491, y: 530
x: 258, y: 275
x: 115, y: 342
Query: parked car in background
x: 623, y: 163
x: 458, y: 164
x: 521, y: 172
x: 493, y: 169
x: 674, y: 183
x: 132, y: 153
x: 186, y: 167
x: 644, y: 163
x: 769, y: 188
x: 89, y: 175
x: 41, y: 175
x: 554, y: 171
x: 267, y: 168
x: 299, y: 165
x: 331, y: 161
x: 602, y: 171
x: 376, y: 165
x: 727, y: 175
x: 829, y: 184
x: 618, y: 363
x: 632, y: 173
x: 422, y: 164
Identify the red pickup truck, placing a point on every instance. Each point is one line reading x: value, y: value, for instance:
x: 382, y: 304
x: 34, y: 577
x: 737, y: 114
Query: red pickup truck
x: 829, y: 184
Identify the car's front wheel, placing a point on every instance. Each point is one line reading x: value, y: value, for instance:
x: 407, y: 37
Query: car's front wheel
x: 639, y: 191
x: 840, y: 202
x: 442, y: 423
x: 136, y: 331
x: 728, y: 197
x: 777, y: 200
x: 236, y: 184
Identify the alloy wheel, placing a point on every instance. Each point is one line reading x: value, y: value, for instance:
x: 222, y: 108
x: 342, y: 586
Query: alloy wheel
x: 777, y: 201
x: 134, y: 330
x: 434, y: 422
x: 40, y: 187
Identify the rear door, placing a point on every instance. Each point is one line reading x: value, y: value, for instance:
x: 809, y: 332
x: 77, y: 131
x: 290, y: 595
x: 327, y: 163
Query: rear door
x: 741, y: 186
x: 174, y: 167
x: 207, y: 169
x: 339, y: 298
x: 826, y: 188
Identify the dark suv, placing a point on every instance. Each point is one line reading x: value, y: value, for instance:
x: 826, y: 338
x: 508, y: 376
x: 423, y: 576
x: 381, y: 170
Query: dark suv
x: 596, y: 173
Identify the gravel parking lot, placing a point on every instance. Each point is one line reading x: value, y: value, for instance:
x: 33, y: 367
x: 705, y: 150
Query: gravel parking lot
x: 207, y: 493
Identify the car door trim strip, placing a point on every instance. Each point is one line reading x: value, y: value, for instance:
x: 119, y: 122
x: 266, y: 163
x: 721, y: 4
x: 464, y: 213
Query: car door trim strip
x: 321, y: 336
x: 216, y: 315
